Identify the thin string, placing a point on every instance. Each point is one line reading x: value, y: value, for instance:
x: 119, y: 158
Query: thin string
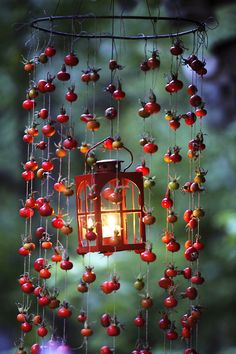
x: 147, y: 311
x: 150, y: 15
x: 112, y: 27
x: 57, y: 7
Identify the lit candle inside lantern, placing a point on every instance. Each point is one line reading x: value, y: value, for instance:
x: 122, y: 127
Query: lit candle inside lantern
x: 110, y: 225
x: 90, y: 223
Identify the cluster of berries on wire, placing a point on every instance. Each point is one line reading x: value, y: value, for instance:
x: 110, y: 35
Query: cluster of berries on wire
x: 192, y: 217
x: 45, y: 172
x: 193, y: 245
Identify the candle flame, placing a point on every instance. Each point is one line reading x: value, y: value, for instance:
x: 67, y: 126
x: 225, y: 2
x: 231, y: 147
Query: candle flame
x: 110, y: 225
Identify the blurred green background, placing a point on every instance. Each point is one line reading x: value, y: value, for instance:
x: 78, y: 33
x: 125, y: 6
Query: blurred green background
x: 218, y: 263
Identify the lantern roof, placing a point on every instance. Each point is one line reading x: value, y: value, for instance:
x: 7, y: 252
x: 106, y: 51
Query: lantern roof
x: 109, y: 165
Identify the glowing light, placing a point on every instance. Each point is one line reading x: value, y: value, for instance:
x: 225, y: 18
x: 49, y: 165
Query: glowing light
x: 110, y: 225
x: 90, y: 223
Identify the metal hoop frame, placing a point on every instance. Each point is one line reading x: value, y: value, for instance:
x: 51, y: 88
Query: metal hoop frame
x: 196, y: 26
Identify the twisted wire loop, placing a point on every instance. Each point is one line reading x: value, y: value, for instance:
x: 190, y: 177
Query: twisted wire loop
x: 196, y: 26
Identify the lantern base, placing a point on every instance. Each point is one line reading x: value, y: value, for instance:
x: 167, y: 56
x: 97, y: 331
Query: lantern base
x: 111, y: 248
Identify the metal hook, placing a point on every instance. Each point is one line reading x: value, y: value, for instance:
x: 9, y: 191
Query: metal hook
x: 102, y: 141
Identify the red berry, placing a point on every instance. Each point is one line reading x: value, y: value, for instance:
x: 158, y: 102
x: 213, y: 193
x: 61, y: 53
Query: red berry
x: 40, y: 232
x: 200, y: 112
x: 167, y: 203
x: 62, y: 75
x: 174, y: 85
x: 27, y: 138
x: 170, y: 302
x: 111, y: 88
x: 188, y: 215
x: 43, y: 300
x: 82, y: 317
x: 71, y: 96
x: 26, y: 327
x: 105, y: 350
x: 62, y: 117
x: 154, y: 61
x: 174, y: 123
x: 23, y: 252
x: 171, y: 272
x: 50, y: 51
x: 70, y: 143
x: 195, y: 100
x: 66, y: 265
x: 191, y: 293
x: 198, y: 245
x: 144, y: 66
x: 176, y: 49
x: 143, y: 169
x: 27, y: 175
x: 71, y: 59
x: 191, y: 254
x: 27, y: 287
x: 118, y: 94
x: 190, y: 351
x: 113, y: 330
x: 176, y: 157
x: 110, y: 113
x: 26, y: 212
x: 152, y: 107
x: 171, y: 334
x: 105, y: 320
x: 57, y: 222
x: 186, y: 332
x: 189, y: 118
x: 192, y: 224
x: 46, y: 209
x: 173, y: 246
x: 192, y: 89
x: 139, y: 321
x: 148, y: 256
x: 43, y: 113
x: 165, y: 282
x: 47, y: 165
x: 89, y: 276
x: 44, y: 273
x: 28, y: 104
x: 41, y: 85
x: 48, y: 130
x: 42, y: 331
x: 64, y: 311
x: 187, y: 272
x: 39, y: 264
x: 35, y: 349
x: 150, y: 148
x: 197, y: 279
x: 164, y: 322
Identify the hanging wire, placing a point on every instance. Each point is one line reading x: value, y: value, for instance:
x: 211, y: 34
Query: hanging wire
x: 150, y: 15
x: 57, y: 7
x: 112, y: 8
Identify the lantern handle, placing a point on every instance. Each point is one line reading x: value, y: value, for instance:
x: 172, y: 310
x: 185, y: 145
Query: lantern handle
x: 132, y: 158
x: 102, y: 141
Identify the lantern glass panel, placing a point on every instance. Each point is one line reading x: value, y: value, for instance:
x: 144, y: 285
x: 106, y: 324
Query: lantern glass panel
x: 132, y: 195
x: 85, y: 222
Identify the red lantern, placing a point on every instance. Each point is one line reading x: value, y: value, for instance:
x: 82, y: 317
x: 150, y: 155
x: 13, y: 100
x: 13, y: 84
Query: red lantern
x: 110, y: 204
